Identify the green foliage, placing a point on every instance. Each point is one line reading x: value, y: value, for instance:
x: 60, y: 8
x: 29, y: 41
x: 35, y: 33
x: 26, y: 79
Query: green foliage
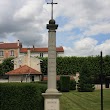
x: 6, y: 66
x: 68, y: 65
x: 1, y: 69
x: 107, y: 81
x: 106, y: 65
x: 42, y: 82
x: 71, y: 65
x: 85, y: 83
x: 72, y: 85
x: 44, y: 66
x: 64, y: 83
x: 21, y: 96
x: 58, y: 85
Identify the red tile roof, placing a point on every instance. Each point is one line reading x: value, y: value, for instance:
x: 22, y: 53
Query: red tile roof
x: 24, y: 50
x: 45, y: 78
x: 9, y: 45
x: 23, y: 70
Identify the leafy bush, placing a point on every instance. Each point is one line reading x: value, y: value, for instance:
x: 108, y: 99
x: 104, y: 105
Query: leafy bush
x: 85, y: 83
x: 64, y: 83
x: 58, y: 85
x: 25, y: 96
x: 42, y: 82
x: 72, y: 85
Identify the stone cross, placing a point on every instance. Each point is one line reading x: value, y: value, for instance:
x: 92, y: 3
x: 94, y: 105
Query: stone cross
x: 51, y: 96
x: 52, y: 3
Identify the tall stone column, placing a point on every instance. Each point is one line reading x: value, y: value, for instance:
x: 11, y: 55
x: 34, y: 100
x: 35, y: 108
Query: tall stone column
x: 52, y: 56
x: 52, y: 95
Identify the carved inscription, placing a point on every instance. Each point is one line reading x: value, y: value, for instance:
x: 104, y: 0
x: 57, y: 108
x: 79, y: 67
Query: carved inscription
x: 52, y: 104
x: 52, y: 70
x: 52, y: 54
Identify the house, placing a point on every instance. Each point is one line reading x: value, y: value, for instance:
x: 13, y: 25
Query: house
x: 9, y: 50
x: 41, y: 52
x: 24, y: 74
x: 26, y: 69
x: 25, y: 60
x: 16, y: 50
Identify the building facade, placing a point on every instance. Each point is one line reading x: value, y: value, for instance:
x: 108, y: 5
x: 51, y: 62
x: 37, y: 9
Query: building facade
x: 9, y: 50
x: 15, y: 50
x: 24, y: 74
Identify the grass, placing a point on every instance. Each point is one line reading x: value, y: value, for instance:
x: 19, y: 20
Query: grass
x: 84, y: 100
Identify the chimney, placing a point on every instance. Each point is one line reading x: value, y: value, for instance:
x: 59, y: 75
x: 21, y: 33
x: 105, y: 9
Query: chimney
x: 29, y: 55
x: 18, y: 42
x: 33, y: 47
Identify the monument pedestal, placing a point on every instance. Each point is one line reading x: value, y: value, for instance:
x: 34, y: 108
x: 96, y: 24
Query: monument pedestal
x: 51, y: 101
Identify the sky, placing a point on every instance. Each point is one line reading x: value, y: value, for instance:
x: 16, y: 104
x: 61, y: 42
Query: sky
x: 83, y: 25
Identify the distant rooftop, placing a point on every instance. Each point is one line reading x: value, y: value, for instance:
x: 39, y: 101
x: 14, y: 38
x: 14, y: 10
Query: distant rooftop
x: 24, y: 50
x: 23, y: 70
x: 8, y: 45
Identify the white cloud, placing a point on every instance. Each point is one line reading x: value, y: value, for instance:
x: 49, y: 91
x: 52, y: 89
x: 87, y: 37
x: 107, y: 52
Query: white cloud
x: 84, y: 14
x: 88, y: 47
x: 105, y: 47
x: 27, y: 20
x: 103, y: 28
x: 29, y: 10
x: 85, y: 44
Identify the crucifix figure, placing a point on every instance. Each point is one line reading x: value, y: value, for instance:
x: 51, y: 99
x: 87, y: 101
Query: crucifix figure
x: 52, y: 3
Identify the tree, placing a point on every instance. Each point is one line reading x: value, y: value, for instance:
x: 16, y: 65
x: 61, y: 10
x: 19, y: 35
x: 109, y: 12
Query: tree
x: 7, y: 65
x: 1, y: 69
x: 85, y: 83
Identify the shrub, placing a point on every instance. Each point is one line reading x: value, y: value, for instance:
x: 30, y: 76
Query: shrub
x: 42, y: 82
x: 85, y: 83
x: 58, y: 85
x: 25, y: 96
x: 64, y: 83
x: 72, y: 85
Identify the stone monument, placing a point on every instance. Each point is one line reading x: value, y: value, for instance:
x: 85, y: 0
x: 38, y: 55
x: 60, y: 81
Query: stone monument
x: 51, y: 96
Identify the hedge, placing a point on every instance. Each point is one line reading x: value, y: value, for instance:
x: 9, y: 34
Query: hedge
x: 72, y: 85
x: 21, y: 96
x: 64, y: 83
x: 71, y: 65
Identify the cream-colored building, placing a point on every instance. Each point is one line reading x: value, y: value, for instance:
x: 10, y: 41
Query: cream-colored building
x: 24, y: 74
x: 26, y: 61
x: 16, y: 50
x: 26, y: 69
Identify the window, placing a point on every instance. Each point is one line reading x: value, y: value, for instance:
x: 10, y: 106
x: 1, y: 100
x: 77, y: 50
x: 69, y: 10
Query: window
x: 41, y: 54
x: 12, y: 53
x: 32, y: 78
x: 1, y: 52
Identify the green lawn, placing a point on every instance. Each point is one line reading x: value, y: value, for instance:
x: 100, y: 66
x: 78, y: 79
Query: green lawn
x: 84, y: 100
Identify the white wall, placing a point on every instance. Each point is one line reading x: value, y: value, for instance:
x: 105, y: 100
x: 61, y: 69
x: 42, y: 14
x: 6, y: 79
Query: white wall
x: 25, y: 78
x: 14, y: 78
x: 45, y: 54
x: 25, y: 60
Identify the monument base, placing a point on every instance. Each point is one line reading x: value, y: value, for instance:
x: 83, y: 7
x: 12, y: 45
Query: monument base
x: 51, y: 101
